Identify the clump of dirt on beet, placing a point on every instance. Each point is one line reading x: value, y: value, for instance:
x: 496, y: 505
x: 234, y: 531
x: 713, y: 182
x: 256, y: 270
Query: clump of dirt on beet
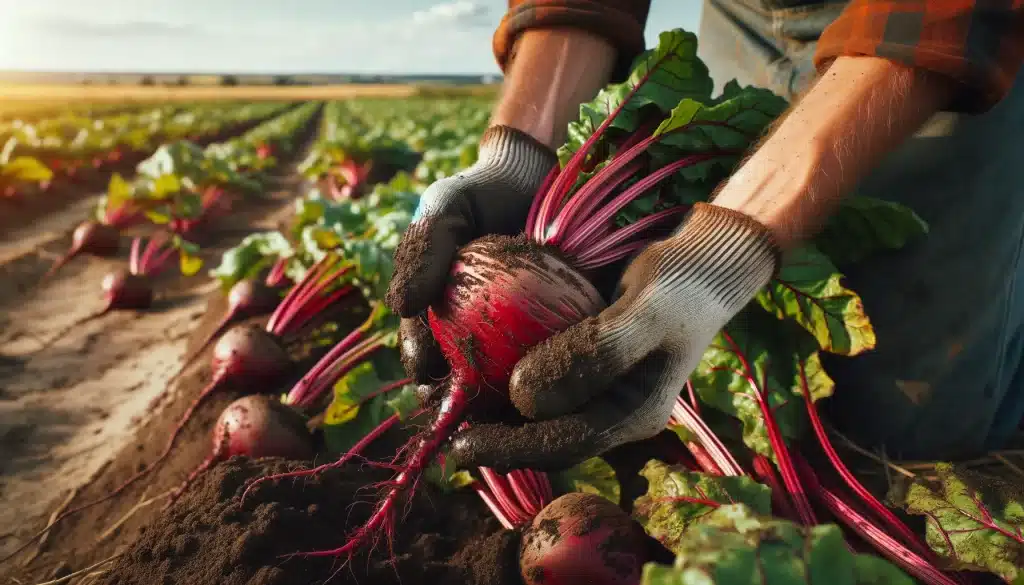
x: 211, y: 537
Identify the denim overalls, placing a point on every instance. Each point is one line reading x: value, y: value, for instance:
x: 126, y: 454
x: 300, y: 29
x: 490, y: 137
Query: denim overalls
x: 946, y: 378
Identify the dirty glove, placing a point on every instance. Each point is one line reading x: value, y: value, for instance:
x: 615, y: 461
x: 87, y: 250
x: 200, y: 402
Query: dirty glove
x: 491, y: 197
x: 613, y: 378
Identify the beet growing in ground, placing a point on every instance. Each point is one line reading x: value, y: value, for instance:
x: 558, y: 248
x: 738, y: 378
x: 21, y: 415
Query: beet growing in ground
x: 210, y: 537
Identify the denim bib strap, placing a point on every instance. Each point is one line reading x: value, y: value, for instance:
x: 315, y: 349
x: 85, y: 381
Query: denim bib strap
x: 945, y: 379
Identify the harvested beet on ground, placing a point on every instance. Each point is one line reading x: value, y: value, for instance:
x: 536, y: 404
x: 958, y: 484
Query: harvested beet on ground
x: 211, y: 537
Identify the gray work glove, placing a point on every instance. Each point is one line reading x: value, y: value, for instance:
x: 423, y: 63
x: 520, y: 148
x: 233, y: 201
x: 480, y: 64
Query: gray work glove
x: 613, y: 378
x: 491, y: 197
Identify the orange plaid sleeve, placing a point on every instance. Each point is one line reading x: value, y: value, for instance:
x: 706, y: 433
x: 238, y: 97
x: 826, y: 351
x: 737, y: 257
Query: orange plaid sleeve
x: 621, y: 22
x: 978, y: 43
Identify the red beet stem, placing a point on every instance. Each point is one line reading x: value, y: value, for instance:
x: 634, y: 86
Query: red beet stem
x: 309, y: 296
x: 489, y: 500
x: 567, y: 177
x: 549, y: 179
x: 888, y: 546
x: 579, y: 208
x: 778, y: 443
x: 684, y: 414
x: 878, y: 508
x: 765, y: 471
x: 348, y: 353
x: 505, y: 496
x: 277, y: 277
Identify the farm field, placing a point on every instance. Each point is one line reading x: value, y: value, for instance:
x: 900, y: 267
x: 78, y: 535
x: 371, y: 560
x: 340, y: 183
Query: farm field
x: 200, y: 380
x: 14, y: 96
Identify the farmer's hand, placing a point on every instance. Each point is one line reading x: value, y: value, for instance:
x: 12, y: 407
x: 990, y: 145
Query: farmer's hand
x: 491, y: 197
x: 613, y: 378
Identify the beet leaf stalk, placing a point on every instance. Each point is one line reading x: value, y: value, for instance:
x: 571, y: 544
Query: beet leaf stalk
x: 506, y: 295
x: 355, y: 348
x: 897, y: 552
x: 878, y: 509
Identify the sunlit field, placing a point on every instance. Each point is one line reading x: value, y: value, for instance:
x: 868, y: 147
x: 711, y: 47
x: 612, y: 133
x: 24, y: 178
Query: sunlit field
x: 205, y: 379
x: 17, y: 97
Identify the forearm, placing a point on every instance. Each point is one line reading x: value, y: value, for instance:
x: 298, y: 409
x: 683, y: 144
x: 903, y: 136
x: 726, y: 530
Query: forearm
x: 552, y: 73
x: 858, y: 111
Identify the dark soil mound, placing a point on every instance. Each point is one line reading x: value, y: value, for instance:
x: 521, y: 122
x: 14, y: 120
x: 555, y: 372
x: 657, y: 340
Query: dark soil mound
x: 210, y: 537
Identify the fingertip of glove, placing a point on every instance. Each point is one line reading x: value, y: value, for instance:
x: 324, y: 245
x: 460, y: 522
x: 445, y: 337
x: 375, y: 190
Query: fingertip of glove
x: 415, y: 256
x: 551, y: 379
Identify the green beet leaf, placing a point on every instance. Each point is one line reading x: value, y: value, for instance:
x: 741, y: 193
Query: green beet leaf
x: 447, y: 479
x: 179, y: 159
x: 808, y: 290
x: 672, y: 72
x: 973, y: 521
x: 756, y: 355
x: 24, y: 169
x: 731, y: 125
x: 347, y: 421
x: 678, y: 498
x: 734, y: 546
x: 862, y: 226
x: 246, y: 260
x: 593, y: 476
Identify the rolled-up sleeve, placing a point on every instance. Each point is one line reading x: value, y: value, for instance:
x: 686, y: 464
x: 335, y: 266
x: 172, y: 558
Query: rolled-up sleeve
x: 977, y: 43
x: 621, y: 22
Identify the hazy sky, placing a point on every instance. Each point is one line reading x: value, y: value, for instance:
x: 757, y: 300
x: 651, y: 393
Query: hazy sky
x: 359, y: 36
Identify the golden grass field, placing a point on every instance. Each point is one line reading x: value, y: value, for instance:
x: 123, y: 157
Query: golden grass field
x: 13, y: 95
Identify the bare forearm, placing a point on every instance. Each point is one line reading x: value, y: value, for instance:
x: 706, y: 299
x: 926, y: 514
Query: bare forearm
x: 552, y: 73
x: 861, y: 109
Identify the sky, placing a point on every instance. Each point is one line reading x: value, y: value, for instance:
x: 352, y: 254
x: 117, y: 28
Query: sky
x: 261, y: 36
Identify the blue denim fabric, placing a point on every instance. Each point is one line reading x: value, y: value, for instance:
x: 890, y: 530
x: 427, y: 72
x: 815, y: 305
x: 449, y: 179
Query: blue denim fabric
x: 946, y: 378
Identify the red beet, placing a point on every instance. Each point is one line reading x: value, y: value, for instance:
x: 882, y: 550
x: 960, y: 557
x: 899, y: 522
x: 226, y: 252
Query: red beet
x: 124, y: 290
x: 505, y: 296
x: 90, y: 237
x: 582, y: 538
x: 247, y: 298
x: 255, y: 426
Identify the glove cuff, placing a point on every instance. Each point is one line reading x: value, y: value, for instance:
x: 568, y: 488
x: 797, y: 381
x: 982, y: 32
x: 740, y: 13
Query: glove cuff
x: 731, y: 252
x: 513, y: 160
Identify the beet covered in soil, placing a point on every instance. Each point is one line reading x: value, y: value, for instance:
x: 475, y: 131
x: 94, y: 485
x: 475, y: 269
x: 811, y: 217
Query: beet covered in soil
x: 210, y: 537
x: 583, y: 538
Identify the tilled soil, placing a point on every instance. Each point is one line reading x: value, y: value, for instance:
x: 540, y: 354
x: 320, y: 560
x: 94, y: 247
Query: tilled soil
x: 80, y: 394
x: 213, y: 537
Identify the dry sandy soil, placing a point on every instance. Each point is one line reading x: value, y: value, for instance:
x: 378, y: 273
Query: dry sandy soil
x: 75, y: 387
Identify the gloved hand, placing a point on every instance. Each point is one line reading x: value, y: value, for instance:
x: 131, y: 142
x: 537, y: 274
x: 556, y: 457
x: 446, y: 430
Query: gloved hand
x: 491, y: 197
x: 613, y: 378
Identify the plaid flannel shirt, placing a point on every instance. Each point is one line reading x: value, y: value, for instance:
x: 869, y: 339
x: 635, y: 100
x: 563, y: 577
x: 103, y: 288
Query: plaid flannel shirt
x: 978, y: 43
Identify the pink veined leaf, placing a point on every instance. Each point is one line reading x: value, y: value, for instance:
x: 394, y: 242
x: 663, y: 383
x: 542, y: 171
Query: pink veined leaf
x: 975, y: 522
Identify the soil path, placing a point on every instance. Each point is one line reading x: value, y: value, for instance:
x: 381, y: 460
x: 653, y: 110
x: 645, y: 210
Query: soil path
x: 73, y: 397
